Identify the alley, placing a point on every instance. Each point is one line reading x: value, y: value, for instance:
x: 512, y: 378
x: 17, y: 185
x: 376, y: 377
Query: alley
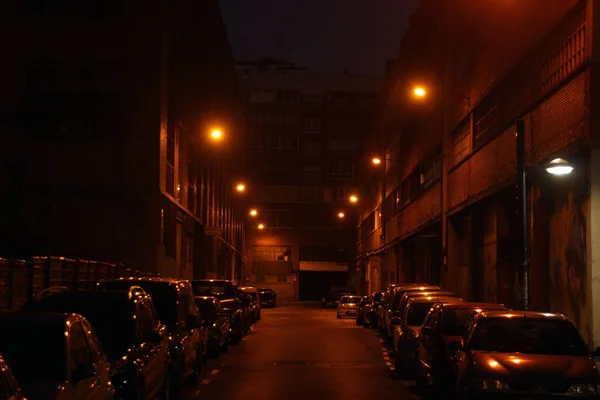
x: 301, y: 351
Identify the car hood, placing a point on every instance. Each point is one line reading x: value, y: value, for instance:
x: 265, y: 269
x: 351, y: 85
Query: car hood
x: 538, y: 364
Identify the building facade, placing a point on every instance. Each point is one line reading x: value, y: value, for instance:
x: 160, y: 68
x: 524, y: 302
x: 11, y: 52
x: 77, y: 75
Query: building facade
x: 105, y: 153
x: 449, y: 210
x: 305, y: 131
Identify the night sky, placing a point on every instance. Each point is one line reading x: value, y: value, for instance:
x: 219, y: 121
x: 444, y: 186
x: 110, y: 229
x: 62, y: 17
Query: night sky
x: 324, y: 35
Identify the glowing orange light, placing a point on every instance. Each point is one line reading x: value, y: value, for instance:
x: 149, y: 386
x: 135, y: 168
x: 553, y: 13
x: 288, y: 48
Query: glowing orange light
x: 253, y: 212
x: 353, y: 199
x: 341, y: 215
x: 261, y: 226
x: 216, y: 134
x: 240, y: 187
x: 419, y: 92
x: 376, y: 160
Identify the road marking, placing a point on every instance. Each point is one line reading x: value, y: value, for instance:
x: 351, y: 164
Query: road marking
x: 205, y: 381
x: 385, y: 352
x: 386, y: 358
x: 284, y: 317
x: 214, y: 372
x: 389, y: 364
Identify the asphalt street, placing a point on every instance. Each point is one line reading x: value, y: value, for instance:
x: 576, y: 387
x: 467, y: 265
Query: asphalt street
x: 301, y: 351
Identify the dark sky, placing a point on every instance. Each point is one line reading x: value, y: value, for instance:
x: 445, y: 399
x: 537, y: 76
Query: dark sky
x: 324, y: 35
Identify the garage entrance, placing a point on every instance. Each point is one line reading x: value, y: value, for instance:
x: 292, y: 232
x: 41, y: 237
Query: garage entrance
x: 317, y: 279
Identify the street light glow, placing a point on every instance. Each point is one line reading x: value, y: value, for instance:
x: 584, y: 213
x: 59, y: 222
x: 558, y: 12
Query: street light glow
x: 376, y: 160
x: 216, y: 134
x: 240, y: 187
x: 253, y: 212
x: 559, y: 166
x: 341, y: 215
x: 353, y: 199
x: 419, y: 91
x: 261, y: 226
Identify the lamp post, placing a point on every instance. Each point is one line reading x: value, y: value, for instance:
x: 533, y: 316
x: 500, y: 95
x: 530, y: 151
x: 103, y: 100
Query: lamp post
x: 557, y: 166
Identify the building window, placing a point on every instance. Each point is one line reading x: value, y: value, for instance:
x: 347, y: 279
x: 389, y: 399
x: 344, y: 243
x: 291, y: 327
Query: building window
x: 312, y: 149
x: 339, y: 194
x: 311, y: 172
x: 255, y: 119
x: 273, y: 143
x: 255, y: 142
x: 310, y: 195
x: 312, y: 100
x: 170, y: 232
x: 341, y: 170
x: 272, y: 253
x: 343, y: 145
x: 287, y: 96
x: 313, y: 125
x: 291, y: 143
x: 289, y: 119
x: 259, y: 278
x: 192, y: 180
x: 282, y: 278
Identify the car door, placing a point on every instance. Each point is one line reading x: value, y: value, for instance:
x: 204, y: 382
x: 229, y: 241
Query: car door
x: 427, y: 340
x: 222, y: 321
x: 190, y: 336
x: 99, y: 358
x: 152, y: 351
x: 87, y: 382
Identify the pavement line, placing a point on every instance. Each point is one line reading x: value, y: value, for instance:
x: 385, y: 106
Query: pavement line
x: 214, y: 372
x: 205, y: 381
x: 384, y: 352
x: 389, y: 364
x: 386, y: 358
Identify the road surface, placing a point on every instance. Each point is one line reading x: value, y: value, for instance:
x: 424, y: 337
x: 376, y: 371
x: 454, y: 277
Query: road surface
x: 301, y: 351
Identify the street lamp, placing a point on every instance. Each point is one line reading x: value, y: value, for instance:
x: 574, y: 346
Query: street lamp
x: 557, y: 166
x: 341, y: 215
x: 240, y: 187
x: 353, y: 199
x: 216, y: 135
x: 253, y: 212
x: 419, y: 91
x: 261, y: 226
x: 376, y: 160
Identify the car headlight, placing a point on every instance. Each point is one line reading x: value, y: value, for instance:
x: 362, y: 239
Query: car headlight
x: 582, y: 389
x: 493, y: 385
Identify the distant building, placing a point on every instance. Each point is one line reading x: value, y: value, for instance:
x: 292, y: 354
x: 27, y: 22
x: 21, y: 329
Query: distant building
x: 104, y: 153
x: 305, y: 132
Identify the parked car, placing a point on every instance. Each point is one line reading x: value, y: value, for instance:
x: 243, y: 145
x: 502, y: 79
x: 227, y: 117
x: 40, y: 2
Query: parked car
x: 220, y: 288
x: 523, y: 354
x: 365, y: 301
x: 268, y: 298
x: 9, y: 387
x: 445, y: 323
x: 348, y: 306
x: 55, y: 356
x: 408, y: 330
x: 249, y: 308
x: 331, y: 300
x: 235, y: 314
x: 253, y: 292
x: 188, y: 339
x: 217, y: 322
x: 370, y: 310
x: 130, y: 333
x: 393, y: 301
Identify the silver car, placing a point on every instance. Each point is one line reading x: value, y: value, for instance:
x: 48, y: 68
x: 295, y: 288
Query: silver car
x: 348, y: 306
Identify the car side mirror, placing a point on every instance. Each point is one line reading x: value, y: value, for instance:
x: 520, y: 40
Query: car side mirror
x: 456, y: 346
x: 82, y: 372
x: 426, y: 330
x: 192, y: 322
x: 152, y: 336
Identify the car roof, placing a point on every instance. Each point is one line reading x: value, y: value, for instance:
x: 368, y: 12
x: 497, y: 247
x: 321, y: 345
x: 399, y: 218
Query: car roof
x: 508, y: 314
x: 217, y: 281
x: 113, y: 294
x: 419, y: 293
x: 205, y: 297
x: 171, y: 281
x: 249, y: 288
x: 39, y: 320
x: 471, y: 304
x: 434, y: 299
x: 414, y: 288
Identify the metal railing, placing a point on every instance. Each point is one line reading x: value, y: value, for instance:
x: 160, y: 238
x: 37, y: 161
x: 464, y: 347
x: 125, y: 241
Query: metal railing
x: 20, y: 280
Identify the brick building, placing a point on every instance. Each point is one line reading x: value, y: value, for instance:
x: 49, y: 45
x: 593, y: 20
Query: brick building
x: 305, y: 131
x: 449, y: 211
x: 105, y: 110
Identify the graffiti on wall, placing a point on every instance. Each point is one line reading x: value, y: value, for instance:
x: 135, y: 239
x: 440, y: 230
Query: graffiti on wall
x: 568, y: 264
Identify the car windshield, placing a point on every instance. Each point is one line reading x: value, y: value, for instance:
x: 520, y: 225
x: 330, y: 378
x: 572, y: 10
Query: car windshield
x: 111, y: 317
x: 231, y: 304
x: 220, y: 291
x: 35, y: 352
x: 349, y: 299
x: 531, y: 336
x: 162, y: 293
x: 417, y: 313
x: 455, y: 321
x: 207, y: 309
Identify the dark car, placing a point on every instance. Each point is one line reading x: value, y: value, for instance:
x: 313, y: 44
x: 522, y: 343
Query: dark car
x: 249, y: 307
x: 522, y: 354
x: 9, y: 387
x: 268, y: 297
x: 219, y: 288
x: 444, y: 324
x: 370, y: 310
x: 253, y: 293
x: 217, y: 322
x: 174, y: 303
x: 55, y: 356
x: 133, y: 338
x: 235, y: 313
x: 360, y: 315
